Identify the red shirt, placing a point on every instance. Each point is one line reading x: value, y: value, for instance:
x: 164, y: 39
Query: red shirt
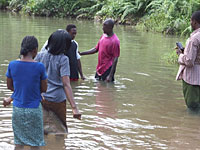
x: 108, y: 48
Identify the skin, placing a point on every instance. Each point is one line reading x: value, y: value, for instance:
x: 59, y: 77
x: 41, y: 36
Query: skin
x: 107, y: 29
x: 73, y: 33
x: 70, y: 97
x: 195, y: 25
x: 28, y: 58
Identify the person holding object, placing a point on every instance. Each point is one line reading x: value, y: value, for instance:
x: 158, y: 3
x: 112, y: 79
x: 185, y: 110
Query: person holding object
x: 189, y: 69
x: 58, y: 71
x: 108, y: 49
x: 27, y: 79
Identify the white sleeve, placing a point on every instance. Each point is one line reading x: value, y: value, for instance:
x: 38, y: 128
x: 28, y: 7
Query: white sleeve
x: 43, y: 48
x: 78, y: 56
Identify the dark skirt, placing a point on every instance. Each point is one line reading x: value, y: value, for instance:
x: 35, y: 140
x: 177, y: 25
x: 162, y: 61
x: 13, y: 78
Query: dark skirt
x: 54, y: 117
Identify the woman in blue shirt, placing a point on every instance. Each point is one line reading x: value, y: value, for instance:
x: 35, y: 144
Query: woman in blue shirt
x: 27, y: 79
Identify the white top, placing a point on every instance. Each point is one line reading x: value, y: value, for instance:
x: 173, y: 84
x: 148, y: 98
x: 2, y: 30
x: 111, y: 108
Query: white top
x: 78, y: 56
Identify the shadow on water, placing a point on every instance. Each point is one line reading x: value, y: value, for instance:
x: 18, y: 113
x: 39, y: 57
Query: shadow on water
x: 142, y: 109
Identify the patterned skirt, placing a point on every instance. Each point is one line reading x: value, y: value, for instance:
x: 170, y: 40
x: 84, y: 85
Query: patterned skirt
x: 27, y: 126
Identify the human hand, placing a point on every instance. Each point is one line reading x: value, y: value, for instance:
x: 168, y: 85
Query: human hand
x: 109, y: 78
x: 178, y: 52
x: 83, y: 77
x: 7, y: 101
x: 76, y: 113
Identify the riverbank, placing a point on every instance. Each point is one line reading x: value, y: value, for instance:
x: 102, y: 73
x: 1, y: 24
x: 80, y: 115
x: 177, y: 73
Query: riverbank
x: 168, y: 16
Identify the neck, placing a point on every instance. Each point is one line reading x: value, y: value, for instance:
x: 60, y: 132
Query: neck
x: 27, y: 58
x: 110, y: 34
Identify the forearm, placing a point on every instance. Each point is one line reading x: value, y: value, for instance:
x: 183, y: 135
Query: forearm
x: 91, y: 51
x: 80, y: 68
x: 70, y: 97
x: 114, y: 66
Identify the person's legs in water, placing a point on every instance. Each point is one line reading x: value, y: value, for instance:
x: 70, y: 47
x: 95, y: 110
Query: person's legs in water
x: 192, y: 96
x: 19, y: 147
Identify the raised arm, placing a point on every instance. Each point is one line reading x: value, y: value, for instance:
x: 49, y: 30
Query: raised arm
x: 70, y: 97
x: 91, y: 51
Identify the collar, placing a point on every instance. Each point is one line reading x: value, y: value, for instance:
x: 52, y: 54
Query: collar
x: 195, y: 31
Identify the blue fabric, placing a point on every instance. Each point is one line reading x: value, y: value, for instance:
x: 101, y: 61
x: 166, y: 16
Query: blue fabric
x: 26, y: 78
x: 27, y: 126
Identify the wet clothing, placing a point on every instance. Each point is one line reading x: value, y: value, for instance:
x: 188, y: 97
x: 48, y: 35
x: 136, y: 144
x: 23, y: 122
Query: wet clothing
x: 189, y: 70
x: 26, y: 78
x: 104, y: 75
x: 73, y: 60
x: 27, y: 126
x: 108, y: 48
x: 191, y: 95
x: 56, y: 66
x: 58, y: 108
x: 27, y: 121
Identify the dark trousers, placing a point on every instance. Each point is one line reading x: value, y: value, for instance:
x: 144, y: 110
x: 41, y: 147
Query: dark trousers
x: 192, y: 96
x: 104, y: 75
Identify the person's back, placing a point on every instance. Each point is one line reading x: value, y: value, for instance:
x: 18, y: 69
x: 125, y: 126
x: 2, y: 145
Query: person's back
x: 26, y: 78
x: 55, y: 70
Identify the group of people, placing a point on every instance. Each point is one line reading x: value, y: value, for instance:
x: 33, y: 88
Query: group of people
x: 41, y: 81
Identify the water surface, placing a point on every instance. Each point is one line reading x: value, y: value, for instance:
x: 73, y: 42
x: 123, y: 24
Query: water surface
x: 142, y: 109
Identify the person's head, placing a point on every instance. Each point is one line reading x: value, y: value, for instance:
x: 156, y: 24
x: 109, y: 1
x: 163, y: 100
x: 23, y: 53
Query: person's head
x: 29, y: 45
x: 59, y: 42
x: 195, y: 20
x: 71, y: 29
x: 108, y: 26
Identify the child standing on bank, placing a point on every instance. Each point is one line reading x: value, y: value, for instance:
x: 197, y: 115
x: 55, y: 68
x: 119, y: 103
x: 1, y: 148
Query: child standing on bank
x: 27, y: 79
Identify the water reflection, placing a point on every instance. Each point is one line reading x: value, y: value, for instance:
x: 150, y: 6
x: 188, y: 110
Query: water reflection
x: 143, y: 109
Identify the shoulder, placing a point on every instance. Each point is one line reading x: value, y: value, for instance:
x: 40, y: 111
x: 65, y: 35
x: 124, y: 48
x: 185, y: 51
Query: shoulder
x: 76, y: 42
x: 116, y: 38
x: 13, y: 62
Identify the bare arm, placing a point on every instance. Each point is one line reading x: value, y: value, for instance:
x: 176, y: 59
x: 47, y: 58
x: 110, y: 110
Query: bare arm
x: 43, y: 85
x: 70, y: 97
x: 91, y: 51
x: 80, y: 69
x: 10, y: 84
x: 113, y: 69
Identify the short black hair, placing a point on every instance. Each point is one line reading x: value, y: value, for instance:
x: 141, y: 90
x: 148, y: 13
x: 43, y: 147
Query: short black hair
x: 59, y: 42
x: 109, y: 22
x: 196, y: 16
x: 70, y: 26
x: 29, y: 43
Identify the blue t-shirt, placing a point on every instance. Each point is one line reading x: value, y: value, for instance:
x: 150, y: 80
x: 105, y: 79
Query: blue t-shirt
x: 26, y: 78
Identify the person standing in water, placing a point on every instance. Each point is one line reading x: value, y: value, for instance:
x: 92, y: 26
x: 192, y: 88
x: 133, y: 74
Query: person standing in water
x: 27, y: 79
x: 58, y: 71
x: 189, y: 69
x: 74, y: 57
x: 108, y: 49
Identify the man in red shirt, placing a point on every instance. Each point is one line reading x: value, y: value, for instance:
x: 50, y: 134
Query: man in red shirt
x: 108, y: 49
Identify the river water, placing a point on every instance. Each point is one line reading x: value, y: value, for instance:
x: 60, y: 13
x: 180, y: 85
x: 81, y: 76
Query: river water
x: 143, y: 109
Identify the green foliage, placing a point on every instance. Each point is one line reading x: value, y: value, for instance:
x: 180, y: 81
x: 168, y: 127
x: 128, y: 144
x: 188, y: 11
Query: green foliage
x: 167, y: 16
x: 170, y: 58
x: 4, y: 3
